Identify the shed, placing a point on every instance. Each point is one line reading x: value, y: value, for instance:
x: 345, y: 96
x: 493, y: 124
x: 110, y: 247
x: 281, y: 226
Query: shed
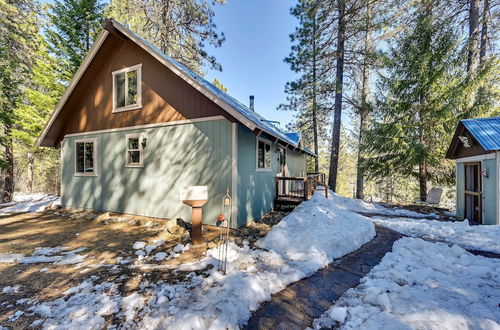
x: 475, y: 147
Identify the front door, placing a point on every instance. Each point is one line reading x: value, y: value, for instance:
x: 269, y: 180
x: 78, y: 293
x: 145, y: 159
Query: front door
x: 282, y: 162
x: 472, y: 189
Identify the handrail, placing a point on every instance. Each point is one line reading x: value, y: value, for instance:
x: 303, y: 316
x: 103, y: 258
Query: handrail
x: 299, y: 187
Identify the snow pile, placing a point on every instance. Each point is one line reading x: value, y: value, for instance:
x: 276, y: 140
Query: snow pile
x: 422, y: 285
x: 359, y: 205
x: 46, y: 254
x: 318, y: 231
x: 143, y: 250
x: 82, y: 307
x: 483, y: 238
x: 29, y: 203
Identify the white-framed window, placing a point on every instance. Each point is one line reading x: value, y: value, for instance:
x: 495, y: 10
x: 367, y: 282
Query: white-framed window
x: 134, y: 152
x: 85, y: 157
x: 263, y: 155
x: 127, y: 88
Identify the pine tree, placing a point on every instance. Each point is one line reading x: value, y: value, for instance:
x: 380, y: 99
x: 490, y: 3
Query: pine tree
x: 424, y: 91
x: 39, y: 99
x: 310, y: 94
x: 18, y: 30
x: 74, y: 26
x: 179, y: 28
x: 219, y: 85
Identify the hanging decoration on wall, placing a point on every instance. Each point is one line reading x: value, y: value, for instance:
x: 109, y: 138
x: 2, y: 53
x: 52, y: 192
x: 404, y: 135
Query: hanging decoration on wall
x: 465, y: 141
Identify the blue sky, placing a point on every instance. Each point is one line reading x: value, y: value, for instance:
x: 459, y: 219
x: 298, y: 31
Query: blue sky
x: 257, y: 41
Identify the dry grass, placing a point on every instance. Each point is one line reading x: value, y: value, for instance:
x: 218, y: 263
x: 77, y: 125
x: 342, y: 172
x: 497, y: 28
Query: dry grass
x: 22, y: 233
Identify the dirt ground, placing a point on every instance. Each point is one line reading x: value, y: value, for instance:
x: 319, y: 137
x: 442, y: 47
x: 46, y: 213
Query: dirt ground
x: 104, y: 241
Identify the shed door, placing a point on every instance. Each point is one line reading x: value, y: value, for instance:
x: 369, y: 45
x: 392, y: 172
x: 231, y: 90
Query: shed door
x: 473, y: 192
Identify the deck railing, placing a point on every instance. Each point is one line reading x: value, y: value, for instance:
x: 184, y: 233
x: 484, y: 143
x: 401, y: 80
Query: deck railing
x: 291, y: 187
x: 299, y: 188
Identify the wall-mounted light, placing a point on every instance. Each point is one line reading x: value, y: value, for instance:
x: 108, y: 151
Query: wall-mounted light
x: 144, y: 142
x: 484, y: 173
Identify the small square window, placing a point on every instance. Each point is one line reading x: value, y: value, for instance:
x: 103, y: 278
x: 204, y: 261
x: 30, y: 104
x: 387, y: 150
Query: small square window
x: 134, y: 153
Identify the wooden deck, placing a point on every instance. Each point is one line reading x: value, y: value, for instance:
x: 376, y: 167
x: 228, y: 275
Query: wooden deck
x: 291, y: 191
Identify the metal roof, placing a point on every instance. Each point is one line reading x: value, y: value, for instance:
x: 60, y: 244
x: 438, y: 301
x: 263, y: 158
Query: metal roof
x: 485, y: 130
x: 259, y: 121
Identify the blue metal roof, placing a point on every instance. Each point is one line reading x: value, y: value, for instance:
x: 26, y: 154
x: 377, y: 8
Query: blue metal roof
x: 485, y: 130
x: 251, y: 115
x: 294, y: 136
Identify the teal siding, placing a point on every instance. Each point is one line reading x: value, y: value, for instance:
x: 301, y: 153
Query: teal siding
x: 490, y: 193
x: 175, y: 156
x: 460, y: 184
x: 256, y: 189
x: 296, y: 163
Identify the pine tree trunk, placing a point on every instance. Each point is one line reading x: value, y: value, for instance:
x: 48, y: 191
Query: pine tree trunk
x: 339, y: 79
x: 31, y: 172
x: 314, y: 103
x: 473, y: 37
x: 422, y: 181
x: 484, y: 32
x: 8, y: 189
x: 363, y: 113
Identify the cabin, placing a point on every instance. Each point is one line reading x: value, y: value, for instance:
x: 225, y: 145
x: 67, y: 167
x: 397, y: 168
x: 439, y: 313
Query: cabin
x: 475, y: 147
x: 135, y: 126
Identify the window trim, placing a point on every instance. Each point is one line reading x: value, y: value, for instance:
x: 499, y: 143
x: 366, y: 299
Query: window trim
x: 257, y: 168
x: 141, y: 150
x: 95, y: 172
x: 129, y: 107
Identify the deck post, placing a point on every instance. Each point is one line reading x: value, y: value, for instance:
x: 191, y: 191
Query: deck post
x: 306, y: 190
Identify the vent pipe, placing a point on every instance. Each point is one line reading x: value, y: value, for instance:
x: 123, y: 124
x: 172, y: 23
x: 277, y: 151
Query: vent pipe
x: 252, y: 98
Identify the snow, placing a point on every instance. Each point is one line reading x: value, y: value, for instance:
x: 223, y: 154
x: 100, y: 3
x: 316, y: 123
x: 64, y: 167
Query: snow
x: 46, y: 255
x: 209, y: 299
x: 29, y: 203
x: 10, y: 257
x: 318, y: 231
x: 11, y: 289
x: 359, y: 205
x: 178, y: 248
x: 483, y: 238
x: 422, y: 285
x: 139, y: 245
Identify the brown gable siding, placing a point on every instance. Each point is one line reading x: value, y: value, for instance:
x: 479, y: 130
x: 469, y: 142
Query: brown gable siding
x: 457, y: 149
x: 165, y: 96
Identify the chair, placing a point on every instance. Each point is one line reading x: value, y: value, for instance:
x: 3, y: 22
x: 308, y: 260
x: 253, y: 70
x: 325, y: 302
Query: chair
x: 432, y: 201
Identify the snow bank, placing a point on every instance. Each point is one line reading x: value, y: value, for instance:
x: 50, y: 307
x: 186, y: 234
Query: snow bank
x: 359, y: 205
x: 29, y: 203
x: 318, y: 231
x: 422, y: 285
x: 483, y: 238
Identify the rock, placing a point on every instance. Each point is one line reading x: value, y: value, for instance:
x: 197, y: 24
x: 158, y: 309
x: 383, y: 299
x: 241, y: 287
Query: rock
x: 184, y: 224
x: 133, y: 222
x: 151, y: 224
x: 238, y: 240
x: 104, y: 216
x: 170, y: 225
x: 174, y: 229
x: 212, y: 245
